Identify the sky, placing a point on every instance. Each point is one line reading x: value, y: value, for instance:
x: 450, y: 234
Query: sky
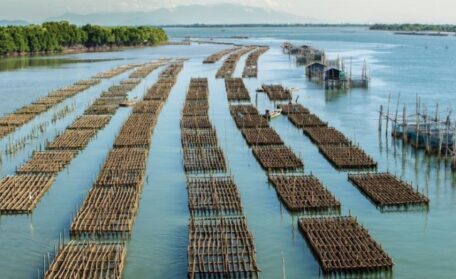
x: 331, y: 11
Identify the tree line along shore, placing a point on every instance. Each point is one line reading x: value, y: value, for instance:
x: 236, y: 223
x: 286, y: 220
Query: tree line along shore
x: 52, y: 37
x: 415, y: 27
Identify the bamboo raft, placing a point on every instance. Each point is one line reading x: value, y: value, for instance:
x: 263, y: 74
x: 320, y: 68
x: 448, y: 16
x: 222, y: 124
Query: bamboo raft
x: 134, y: 81
x: 32, y: 109
x: 277, y: 157
x: 347, y: 157
x: 145, y: 70
x: 90, y: 122
x: 5, y: 130
x: 88, y: 260
x: 219, y: 54
x: 306, y: 120
x: 250, y: 121
x: 195, y: 122
x: 277, y: 92
x: 151, y: 106
x: 326, y: 136
x: 114, y: 101
x: 72, y: 140
x: 106, y: 212
x: 114, y: 72
x: 125, y: 159
x: 243, y: 110
x: 16, y: 120
x: 341, y: 245
x: 47, y: 162
x: 261, y: 136
x: 204, y: 159
x: 213, y: 195
x: 303, y: 193
x: 385, y: 190
x: 236, y: 90
x: 251, y: 64
x: 196, y: 108
x: 293, y: 109
x: 221, y: 247
x: 229, y: 65
x: 198, y: 137
x: 20, y: 193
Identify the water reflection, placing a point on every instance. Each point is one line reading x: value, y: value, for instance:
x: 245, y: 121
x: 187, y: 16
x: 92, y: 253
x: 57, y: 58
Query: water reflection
x: 16, y: 63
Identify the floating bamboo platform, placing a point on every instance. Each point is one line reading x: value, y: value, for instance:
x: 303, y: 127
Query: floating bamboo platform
x: 385, y: 190
x: 89, y: 82
x: 145, y: 70
x: 221, y: 247
x: 293, y: 109
x: 277, y: 157
x: 107, y: 212
x: 150, y: 106
x: 219, y: 54
x: 114, y: 72
x: 198, y: 90
x: 306, y: 120
x: 21, y: 193
x: 340, y: 244
x: 326, y: 136
x: 134, y: 81
x: 250, y: 121
x: 126, y: 159
x: 108, y: 109
x: 196, y: 108
x: 120, y: 178
x: 5, y: 130
x: 90, y: 122
x: 347, y: 157
x: 213, y: 195
x: 137, y: 131
x: 251, y: 64
x: 236, y: 90
x: 204, y: 159
x: 16, y: 120
x: 303, y: 193
x: 229, y: 65
x: 32, y: 109
x: 243, y: 110
x: 277, y: 92
x: 261, y: 136
x: 49, y: 101
x: 88, y: 260
x: 50, y: 161
x: 198, y: 137
x: 72, y: 140
x: 195, y: 122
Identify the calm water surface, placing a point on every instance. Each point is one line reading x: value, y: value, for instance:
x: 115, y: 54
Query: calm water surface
x: 421, y: 243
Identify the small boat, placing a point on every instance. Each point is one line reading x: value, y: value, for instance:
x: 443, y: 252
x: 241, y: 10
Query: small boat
x: 293, y: 89
x: 273, y: 114
x: 127, y: 103
x: 260, y: 89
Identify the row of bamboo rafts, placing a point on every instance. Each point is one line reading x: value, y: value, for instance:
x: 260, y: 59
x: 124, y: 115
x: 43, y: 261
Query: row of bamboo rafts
x: 251, y: 64
x: 218, y: 245
x: 219, y: 54
x: 21, y: 192
x: 229, y: 65
x: 236, y: 90
x: 110, y: 207
x: 333, y: 144
x: 277, y: 92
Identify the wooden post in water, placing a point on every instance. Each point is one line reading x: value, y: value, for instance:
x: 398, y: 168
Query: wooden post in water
x: 380, y: 118
x: 387, y: 114
x: 404, y: 124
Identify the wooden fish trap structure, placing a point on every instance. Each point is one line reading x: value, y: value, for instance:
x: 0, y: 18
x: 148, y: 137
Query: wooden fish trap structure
x: 293, y: 109
x: 213, y: 196
x: 323, y: 135
x: 145, y: 70
x: 88, y: 260
x: 251, y: 64
x: 114, y: 101
x: 5, y: 130
x: 277, y: 157
x: 126, y: 159
x: 347, y: 157
x: 261, y: 136
x: 47, y: 162
x: 20, y: 193
x: 149, y: 107
x: 387, y: 191
x: 196, y: 108
x: 198, y: 137
x: 137, y: 131
x: 243, y: 109
x: 204, y: 159
x: 48, y: 101
x: 229, y: 65
x: 120, y: 178
x: 303, y: 193
x: 341, y: 245
x: 250, y: 121
x: 89, y: 82
x: 114, y: 72
x: 219, y: 54
x: 32, y: 109
x: 90, y: 122
x: 221, y: 247
x: 236, y: 90
x: 106, y: 212
x: 16, y: 120
x: 306, y: 120
x: 72, y: 140
x: 134, y: 81
x: 159, y: 91
x: 198, y: 89
x: 195, y: 122
x: 276, y: 92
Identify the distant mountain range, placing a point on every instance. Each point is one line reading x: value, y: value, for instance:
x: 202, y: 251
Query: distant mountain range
x: 13, y: 22
x: 189, y: 14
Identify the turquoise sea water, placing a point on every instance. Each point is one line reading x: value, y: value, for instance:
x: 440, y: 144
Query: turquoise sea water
x: 421, y: 243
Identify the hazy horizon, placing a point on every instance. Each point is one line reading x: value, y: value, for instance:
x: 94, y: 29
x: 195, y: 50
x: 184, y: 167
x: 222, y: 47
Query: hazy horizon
x: 328, y: 11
